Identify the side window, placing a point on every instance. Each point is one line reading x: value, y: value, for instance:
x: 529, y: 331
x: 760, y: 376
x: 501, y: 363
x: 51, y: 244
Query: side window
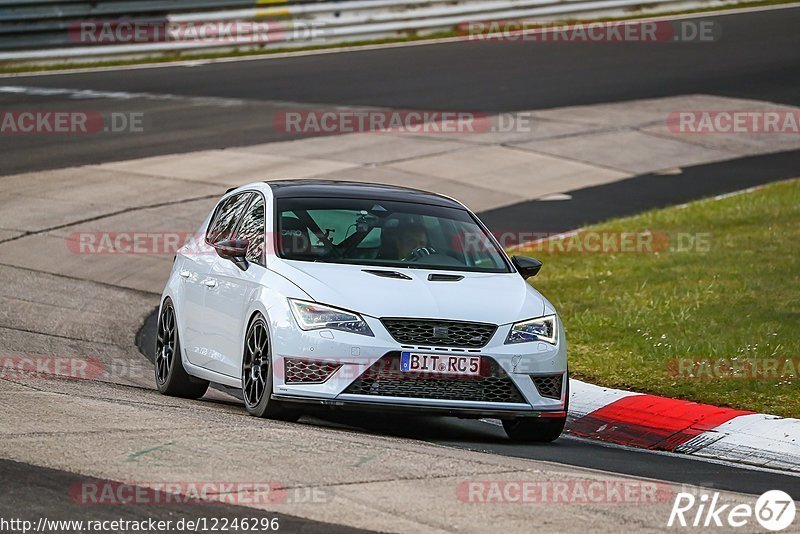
x: 253, y: 230
x: 228, y: 214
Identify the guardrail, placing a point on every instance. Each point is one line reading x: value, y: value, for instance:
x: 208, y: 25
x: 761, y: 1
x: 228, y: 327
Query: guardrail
x: 37, y: 30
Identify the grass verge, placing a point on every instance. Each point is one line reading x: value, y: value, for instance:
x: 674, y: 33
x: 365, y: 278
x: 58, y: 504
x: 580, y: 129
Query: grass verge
x: 707, y: 308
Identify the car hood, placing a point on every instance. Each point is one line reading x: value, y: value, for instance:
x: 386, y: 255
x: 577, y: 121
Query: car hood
x: 482, y: 297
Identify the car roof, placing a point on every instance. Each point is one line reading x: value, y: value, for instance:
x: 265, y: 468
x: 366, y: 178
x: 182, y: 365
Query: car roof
x: 360, y: 190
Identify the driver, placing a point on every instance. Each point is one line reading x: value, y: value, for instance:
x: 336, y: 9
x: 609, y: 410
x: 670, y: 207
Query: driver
x: 401, y: 242
x: 411, y: 238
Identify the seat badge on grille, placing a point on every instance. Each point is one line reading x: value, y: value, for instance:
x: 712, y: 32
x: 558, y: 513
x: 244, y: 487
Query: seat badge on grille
x: 440, y: 331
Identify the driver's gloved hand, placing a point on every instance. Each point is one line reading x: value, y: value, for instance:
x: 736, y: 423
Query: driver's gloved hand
x: 421, y: 252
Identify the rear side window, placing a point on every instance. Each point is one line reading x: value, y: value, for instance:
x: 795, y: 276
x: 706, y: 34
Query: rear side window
x: 228, y: 213
x: 252, y: 229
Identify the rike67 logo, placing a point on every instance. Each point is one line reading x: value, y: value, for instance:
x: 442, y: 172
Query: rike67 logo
x: 774, y: 511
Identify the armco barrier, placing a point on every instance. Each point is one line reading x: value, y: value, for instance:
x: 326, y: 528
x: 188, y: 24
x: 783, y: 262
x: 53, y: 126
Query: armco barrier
x: 63, y: 30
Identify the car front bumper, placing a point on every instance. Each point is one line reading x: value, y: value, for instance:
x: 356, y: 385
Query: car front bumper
x: 353, y: 354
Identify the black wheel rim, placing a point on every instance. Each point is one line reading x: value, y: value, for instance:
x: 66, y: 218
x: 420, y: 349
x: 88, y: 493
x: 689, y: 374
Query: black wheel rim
x: 255, y: 368
x: 165, y: 344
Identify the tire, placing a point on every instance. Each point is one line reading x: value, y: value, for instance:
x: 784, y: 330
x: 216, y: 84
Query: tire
x: 534, y: 430
x: 537, y: 430
x: 171, y: 378
x: 257, y: 376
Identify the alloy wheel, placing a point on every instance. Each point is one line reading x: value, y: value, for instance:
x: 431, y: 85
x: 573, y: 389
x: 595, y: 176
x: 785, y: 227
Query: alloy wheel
x: 256, y: 363
x: 165, y: 343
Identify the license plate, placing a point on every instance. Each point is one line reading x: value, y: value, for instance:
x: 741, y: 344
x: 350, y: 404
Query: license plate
x: 440, y: 364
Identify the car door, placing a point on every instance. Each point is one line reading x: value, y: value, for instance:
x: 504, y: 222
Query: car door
x: 199, y: 281
x: 228, y: 302
x: 189, y: 306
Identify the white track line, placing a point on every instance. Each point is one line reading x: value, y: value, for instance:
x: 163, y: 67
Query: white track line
x: 89, y: 94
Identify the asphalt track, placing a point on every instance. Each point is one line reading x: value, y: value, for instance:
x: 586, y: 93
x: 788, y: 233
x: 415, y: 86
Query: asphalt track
x: 645, y: 192
x: 756, y: 56
x: 587, y: 206
x: 491, y: 438
x: 33, y: 492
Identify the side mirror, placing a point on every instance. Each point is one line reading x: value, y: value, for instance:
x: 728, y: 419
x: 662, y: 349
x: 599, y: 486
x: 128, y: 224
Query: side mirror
x: 527, y: 267
x: 234, y: 250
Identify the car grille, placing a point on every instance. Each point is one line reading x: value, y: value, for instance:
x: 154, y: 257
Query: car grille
x: 439, y: 333
x: 308, y: 371
x: 549, y: 385
x: 384, y: 378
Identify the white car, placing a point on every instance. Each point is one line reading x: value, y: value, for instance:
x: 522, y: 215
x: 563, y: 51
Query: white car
x: 361, y: 296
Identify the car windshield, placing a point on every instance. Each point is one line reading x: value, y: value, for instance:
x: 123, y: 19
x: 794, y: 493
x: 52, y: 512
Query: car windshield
x: 384, y: 233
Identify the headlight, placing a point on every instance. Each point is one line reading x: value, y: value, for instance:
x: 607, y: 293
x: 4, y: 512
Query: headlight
x: 541, y: 329
x: 313, y: 316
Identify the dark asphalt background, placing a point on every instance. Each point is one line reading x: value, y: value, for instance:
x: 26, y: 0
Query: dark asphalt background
x: 756, y: 56
x: 644, y: 192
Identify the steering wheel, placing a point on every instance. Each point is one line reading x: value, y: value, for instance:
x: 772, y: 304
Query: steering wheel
x: 419, y: 253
